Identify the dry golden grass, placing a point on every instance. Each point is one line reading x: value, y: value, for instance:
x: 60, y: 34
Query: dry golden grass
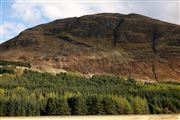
x: 106, y: 117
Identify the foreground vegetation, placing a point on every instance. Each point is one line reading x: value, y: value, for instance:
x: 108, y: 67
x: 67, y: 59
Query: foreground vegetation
x: 15, y: 63
x: 34, y: 93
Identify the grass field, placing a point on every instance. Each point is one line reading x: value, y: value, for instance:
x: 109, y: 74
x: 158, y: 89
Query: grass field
x: 113, y: 117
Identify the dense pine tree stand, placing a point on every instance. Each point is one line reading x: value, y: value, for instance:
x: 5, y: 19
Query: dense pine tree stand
x: 34, y: 94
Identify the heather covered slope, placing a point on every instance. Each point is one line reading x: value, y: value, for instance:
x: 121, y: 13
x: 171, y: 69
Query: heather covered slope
x: 109, y: 43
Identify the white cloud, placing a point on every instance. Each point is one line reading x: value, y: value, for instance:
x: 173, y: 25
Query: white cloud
x: 26, y: 12
x: 10, y: 29
x: 50, y: 11
x: 165, y: 11
x: 55, y: 11
x: 36, y: 10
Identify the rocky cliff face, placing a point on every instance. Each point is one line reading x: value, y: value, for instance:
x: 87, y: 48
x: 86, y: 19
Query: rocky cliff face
x: 109, y: 43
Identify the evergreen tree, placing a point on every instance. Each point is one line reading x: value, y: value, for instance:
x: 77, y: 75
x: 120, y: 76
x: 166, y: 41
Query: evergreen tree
x: 62, y: 107
x: 77, y: 105
x: 35, y: 93
x: 57, y: 106
x: 51, y: 107
x: 94, y: 106
x: 109, y: 106
x: 123, y: 106
x: 140, y: 106
x: 2, y: 107
x: 10, y: 108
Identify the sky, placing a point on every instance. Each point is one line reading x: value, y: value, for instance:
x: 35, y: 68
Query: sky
x: 18, y: 15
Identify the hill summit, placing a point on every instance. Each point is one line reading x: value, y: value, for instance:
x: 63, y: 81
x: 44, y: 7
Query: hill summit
x: 108, y: 43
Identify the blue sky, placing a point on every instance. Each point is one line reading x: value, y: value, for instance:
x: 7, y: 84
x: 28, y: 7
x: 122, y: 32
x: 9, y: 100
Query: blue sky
x: 18, y: 15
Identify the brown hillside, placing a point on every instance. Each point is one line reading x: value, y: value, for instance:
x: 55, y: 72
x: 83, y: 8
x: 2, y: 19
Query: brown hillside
x: 109, y: 43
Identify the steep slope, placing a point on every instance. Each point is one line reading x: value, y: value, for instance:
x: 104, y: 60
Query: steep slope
x: 109, y: 43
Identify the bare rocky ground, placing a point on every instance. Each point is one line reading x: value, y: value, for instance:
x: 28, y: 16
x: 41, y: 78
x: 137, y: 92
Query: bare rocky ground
x: 106, y: 117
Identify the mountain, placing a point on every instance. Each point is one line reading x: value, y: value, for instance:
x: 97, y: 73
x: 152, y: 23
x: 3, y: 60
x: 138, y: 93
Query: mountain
x: 108, y: 43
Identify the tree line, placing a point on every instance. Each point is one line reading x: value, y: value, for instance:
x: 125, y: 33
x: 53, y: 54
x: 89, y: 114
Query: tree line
x: 34, y: 93
x: 15, y: 63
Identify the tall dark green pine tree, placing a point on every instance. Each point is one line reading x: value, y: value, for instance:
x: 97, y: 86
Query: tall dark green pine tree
x: 51, y: 107
x: 19, y: 108
x: 10, y: 108
x: 29, y: 109
x: 94, y: 106
x: 77, y: 105
x: 2, y: 107
x: 140, y: 106
x: 109, y: 106
x: 123, y: 106
x: 62, y: 107
x: 57, y: 106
